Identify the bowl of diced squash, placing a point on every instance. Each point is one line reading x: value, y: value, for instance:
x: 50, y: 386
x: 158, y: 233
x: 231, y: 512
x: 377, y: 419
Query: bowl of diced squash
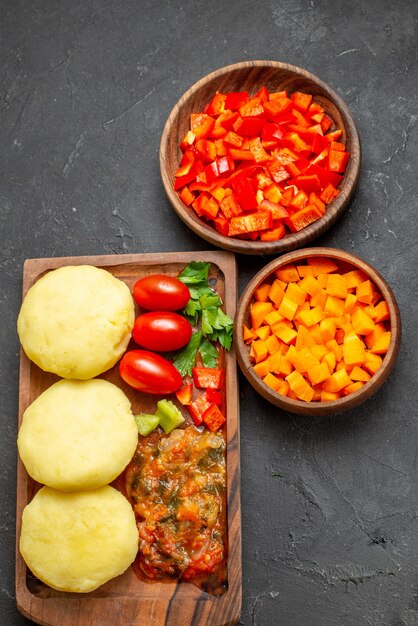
x: 317, y: 331
x: 260, y: 157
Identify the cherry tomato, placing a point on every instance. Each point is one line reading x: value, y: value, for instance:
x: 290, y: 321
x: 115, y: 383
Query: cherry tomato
x: 158, y: 292
x: 162, y: 331
x: 149, y: 373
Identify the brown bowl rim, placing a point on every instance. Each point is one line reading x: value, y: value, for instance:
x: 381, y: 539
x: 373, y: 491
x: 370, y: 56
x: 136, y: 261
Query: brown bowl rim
x: 335, y: 406
x: 291, y: 241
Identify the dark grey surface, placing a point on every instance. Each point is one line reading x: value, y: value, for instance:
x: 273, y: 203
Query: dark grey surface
x: 330, y: 505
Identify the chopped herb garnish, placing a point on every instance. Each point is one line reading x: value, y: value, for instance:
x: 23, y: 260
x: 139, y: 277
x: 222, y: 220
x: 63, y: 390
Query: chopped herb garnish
x: 185, y: 360
x: 209, y: 354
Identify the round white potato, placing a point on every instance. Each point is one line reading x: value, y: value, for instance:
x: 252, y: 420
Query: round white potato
x: 76, y: 321
x: 78, y: 434
x: 78, y: 541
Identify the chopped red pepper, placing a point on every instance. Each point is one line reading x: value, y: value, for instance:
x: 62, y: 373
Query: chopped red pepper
x: 198, y: 407
x: 184, y: 395
x: 213, y: 418
x: 208, y: 377
x: 213, y: 395
x: 245, y: 151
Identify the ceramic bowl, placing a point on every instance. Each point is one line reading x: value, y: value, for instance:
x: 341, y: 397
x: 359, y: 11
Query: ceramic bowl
x: 345, y: 262
x: 250, y: 76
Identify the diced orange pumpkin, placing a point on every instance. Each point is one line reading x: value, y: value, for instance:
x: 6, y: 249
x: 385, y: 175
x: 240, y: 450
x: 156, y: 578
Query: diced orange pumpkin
x: 283, y: 332
x: 328, y: 396
x: 336, y: 286
x: 372, y: 363
x: 258, y: 312
x: 327, y: 329
x: 354, y: 352
x: 287, y: 273
x: 335, y: 348
x: 273, y: 344
x: 318, y: 374
x: 272, y: 318
x: 372, y: 337
x: 260, y: 350
x: 304, y: 270
x: 262, y: 368
x: 359, y: 374
x: 310, y: 284
x: 352, y: 388
x: 334, y: 306
x: 362, y: 323
x: 337, y: 381
x: 300, y: 387
x: 295, y: 293
x: 288, y: 308
x: 382, y: 313
x: 322, y: 280
x: 322, y: 265
x: 261, y: 294
x: 364, y: 292
x: 311, y: 317
x: 381, y: 345
x: 330, y: 360
x: 272, y: 381
x: 276, y: 293
x: 248, y: 334
x: 319, y: 299
x: 354, y: 278
x: 263, y: 332
x: 350, y: 302
x: 283, y: 388
x: 304, y: 338
x: 303, y: 360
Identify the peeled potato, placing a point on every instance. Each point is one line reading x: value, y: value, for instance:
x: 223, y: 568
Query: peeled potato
x: 76, y: 321
x: 78, y: 541
x: 78, y: 434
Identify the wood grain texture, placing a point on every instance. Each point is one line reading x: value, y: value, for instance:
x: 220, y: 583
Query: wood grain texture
x: 348, y: 262
x: 250, y: 76
x: 126, y: 600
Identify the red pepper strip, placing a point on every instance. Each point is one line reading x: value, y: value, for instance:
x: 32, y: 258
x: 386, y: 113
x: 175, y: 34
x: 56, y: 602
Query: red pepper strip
x: 235, y: 99
x: 304, y: 217
x: 337, y: 160
x: 273, y: 108
x: 336, y: 134
x: 329, y: 193
x: 213, y: 418
x: 196, y: 168
x: 233, y: 139
x: 299, y: 201
x: 201, y: 124
x: 221, y: 225
x: 184, y: 395
x: 326, y: 123
x: 315, y: 199
x: 252, y: 108
x: 217, y: 105
x: 273, y: 234
x: 214, y: 396
x: 241, y: 155
x: 225, y: 165
x: 337, y: 145
x: 257, y: 150
x: 198, y: 407
x: 207, y: 377
x: 249, y: 126
x: 307, y: 183
x: 262, y: 94
x: 278, y: 171
x: 278, y: 212
x: 271, y: 132
x: 301, y: 100
x: 243, y: 224
x: 186, y: 196
x: 210, y: 208
x: 244, y: 194
x: 230, y: 207
x: 211, y: 172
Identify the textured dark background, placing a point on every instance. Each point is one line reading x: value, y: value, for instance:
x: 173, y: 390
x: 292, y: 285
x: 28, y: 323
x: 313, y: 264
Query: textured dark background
x: 330, y: 505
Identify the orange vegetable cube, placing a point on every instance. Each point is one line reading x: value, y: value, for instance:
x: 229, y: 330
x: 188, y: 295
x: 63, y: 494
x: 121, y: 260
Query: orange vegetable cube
x: 304, y: 270
x: 288, y: 274
x: 328, y: 396
x: 284, y: 367
x: 300, y: 387
x: 319, y: 299
x: 352, y: 388
x: 274, y: 362
x: 381, y: 345
x: 310, y: 317
x: 330, y: 360
x: 350, y: 302
x: 248, y: 334
x: 327, y: 328
x: 304, y: 338
x: 261, y: 294
x: 372, y: 337
x: 276, y: 293
x: 283, y: 388
x: 337, y: 381
x: 288, y: 308
x: 322, y: 265
x: 263, y: 332
x: 364, y: 292
x: 359, y: 374
x: 283, y: 332
x: 339, y: 336
x: 295, y: 293
x: 303, y: 360
x: 258, y: 312
x: 273, y: 344
x: 381, y: 312
x: 322, y: 280
x: 272, y: 381
x: 310, y: 285
x: 372, y: 363
x: 272, y: 318
x: 318, y: 374
x: 262, y: 368
x: 336, y: 286
x: 354, y: 352
x: 335, y: 348
x: 260, y: 350
x: 362, y: 323
x: 354, y: 278
x: 319, y: 351
x: 334, y: 306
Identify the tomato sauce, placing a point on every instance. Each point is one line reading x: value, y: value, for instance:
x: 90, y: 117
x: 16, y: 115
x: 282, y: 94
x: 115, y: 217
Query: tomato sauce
x: 177, y: 486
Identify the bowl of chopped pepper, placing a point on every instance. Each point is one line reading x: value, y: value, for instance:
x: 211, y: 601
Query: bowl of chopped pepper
x: 260, y: 157
x: 317, y: 331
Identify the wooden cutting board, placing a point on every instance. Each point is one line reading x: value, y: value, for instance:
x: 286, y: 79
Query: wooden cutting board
x: 126, y: 600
